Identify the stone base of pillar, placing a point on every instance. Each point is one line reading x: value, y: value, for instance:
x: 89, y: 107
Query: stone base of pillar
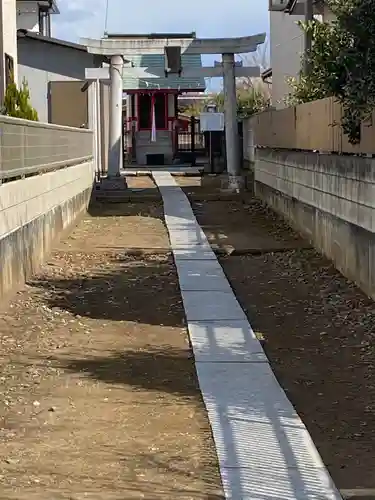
x: 113, y: 184
x: 233, y: 184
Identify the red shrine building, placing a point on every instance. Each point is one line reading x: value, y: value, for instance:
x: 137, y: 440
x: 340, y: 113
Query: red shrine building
x: 151, y: 104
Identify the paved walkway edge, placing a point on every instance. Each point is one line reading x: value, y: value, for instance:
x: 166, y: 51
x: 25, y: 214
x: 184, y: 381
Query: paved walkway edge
x: 264, y: 450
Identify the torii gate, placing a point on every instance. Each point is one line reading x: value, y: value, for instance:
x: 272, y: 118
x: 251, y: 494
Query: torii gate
x: 118, y: 49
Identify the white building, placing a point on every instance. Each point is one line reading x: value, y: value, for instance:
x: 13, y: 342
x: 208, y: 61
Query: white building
x: 33, y: 15
x: 8, y: 43
x: 287, y: 42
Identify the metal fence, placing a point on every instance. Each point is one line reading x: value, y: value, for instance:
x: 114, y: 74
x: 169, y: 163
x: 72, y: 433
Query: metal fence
x: 191, y: 141
x: 28, y: 147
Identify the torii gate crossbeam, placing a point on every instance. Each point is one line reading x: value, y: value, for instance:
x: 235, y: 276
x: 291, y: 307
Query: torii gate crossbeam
x: 132, y: 45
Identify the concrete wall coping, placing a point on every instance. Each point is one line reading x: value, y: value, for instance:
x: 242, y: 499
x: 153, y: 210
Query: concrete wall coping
x: 28, y: 123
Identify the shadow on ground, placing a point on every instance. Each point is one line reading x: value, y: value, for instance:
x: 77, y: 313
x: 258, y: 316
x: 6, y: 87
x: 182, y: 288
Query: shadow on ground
x: 128, y: 209
x: 142, y: 291
x: 155, y: 369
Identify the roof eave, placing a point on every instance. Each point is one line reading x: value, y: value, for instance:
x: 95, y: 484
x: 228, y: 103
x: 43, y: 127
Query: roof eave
x: 291, y: 5
x: 30, y: 35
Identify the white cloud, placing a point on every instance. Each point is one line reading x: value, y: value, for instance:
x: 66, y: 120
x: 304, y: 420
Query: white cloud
x: 79, y: 18
x: 209, y: 18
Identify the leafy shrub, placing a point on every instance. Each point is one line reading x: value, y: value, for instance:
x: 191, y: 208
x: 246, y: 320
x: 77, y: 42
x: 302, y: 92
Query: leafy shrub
x: 17, y: 102
x: 342, y: 63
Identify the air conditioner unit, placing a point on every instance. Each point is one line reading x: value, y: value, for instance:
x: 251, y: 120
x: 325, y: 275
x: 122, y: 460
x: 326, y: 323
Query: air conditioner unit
x: 278, y: 5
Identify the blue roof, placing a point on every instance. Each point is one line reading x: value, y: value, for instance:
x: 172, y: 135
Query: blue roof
x: 156, y: 61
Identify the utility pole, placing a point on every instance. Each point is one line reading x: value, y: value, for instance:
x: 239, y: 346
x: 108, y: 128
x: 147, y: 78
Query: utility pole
x: 309, y: 16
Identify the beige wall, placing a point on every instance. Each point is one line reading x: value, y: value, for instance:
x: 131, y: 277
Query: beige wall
x: 312, y: 126
x: 68, y: 104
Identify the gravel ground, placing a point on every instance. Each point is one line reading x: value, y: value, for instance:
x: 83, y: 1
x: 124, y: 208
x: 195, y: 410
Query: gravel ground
x: 99, y: 391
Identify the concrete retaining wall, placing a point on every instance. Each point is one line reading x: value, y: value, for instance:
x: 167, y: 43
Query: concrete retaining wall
x: 34, y: 212
x: 328, y: 198
x: 248, y: 154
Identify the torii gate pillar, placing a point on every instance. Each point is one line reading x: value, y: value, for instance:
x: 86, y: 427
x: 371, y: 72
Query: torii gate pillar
x: 115, y: 146
x: 230, y: 118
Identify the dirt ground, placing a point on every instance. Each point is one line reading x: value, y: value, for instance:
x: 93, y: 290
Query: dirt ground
x: 318, y: 328
x: 199, y: 184
x: 240, y: 227
x: 208, y: 185
x: 140, y: 182
x: 227, y: 227
x: 99, y: 392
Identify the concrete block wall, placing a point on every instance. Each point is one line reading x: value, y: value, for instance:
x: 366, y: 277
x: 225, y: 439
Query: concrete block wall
x: 328, y: 198
x: 34, y: 213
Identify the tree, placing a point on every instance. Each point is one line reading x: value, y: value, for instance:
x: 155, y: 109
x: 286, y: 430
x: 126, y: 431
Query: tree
x: 17, y: 102
x: 342, y: 63
x: 249, y: 101
x: 194, y: 108
x: 258, y: 58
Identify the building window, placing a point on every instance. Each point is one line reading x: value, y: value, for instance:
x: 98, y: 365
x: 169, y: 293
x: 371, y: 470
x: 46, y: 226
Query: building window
x: 9, y: 69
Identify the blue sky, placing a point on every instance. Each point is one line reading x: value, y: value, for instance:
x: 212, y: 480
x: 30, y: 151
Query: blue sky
x: 209, y: 18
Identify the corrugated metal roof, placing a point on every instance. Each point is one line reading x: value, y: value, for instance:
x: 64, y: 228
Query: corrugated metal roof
x: 172, y: 82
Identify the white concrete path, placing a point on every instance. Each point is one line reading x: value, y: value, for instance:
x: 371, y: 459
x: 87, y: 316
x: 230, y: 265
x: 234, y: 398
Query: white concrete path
x: 264, y: 449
